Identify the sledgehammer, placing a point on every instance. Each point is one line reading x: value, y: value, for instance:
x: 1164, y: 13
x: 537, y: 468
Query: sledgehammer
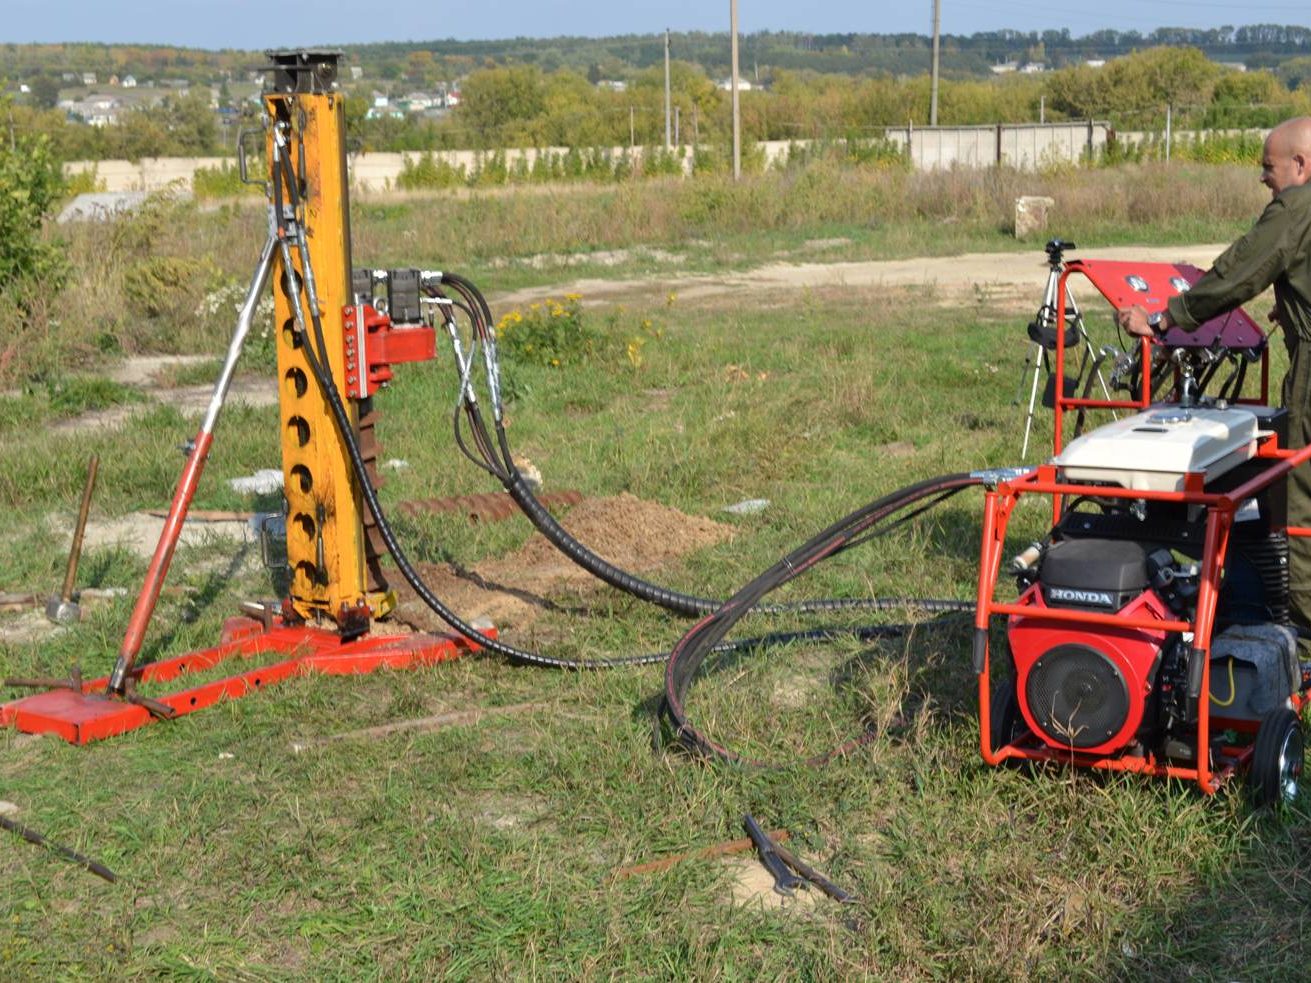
x: 61, y: 608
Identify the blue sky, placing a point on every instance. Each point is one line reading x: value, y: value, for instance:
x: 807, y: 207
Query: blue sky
x: 258, y: 25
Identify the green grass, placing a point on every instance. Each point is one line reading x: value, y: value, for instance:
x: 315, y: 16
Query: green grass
x: 487, y: 850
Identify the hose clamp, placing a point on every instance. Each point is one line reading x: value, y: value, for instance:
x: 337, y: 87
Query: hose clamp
x: 992, y: 477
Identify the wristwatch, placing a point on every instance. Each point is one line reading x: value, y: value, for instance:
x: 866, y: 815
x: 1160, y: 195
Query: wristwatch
x: 1154, y: 321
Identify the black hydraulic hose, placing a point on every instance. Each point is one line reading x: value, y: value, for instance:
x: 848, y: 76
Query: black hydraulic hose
x: 323, y: 377
x: 689, y: 604
x: 513, y: 653
x: 695, y: 646
x: 510, y: 652
x: 321, y: 370
x: 580, y: 554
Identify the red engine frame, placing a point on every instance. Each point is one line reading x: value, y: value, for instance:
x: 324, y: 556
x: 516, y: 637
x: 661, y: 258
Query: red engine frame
x: 1214, y: 764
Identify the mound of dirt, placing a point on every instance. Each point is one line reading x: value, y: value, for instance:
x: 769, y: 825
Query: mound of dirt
x: 512, y: 591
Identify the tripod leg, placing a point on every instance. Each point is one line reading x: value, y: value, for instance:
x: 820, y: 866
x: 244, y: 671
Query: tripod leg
x: 1033, y: 400
x: 1046, y: 314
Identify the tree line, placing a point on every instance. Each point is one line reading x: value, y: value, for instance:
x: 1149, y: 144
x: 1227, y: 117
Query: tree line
x: 964, y: 55
x: 528, y: 106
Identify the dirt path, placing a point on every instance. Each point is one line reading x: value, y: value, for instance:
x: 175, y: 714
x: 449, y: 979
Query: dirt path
x: 1003, y: 279
x: 1000, y: 276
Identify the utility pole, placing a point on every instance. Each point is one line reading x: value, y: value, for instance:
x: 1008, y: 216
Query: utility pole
x: 678, y: 139
x: 737, y: 107
x: 668, y: 144
x: 933, y: 86
x: 632, y: 132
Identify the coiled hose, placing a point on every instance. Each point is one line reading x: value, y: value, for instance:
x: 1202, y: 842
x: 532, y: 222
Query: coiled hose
x: 707, y: 634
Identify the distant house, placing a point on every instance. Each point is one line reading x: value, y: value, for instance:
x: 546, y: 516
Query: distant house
x: 357, y: 72
x: 88, y: 78
x: 113, y: 80
x: 614, y: 85
x: 1032, y: 68
x: 383, y: 109
x: 94, y: 110
x: 417, y: 102
x: 69, y: 76
x: 1096, y: 62
x: 129, y: 82
x: 742, y: 85
x: 1236, y: 66
x: 1004, y: 67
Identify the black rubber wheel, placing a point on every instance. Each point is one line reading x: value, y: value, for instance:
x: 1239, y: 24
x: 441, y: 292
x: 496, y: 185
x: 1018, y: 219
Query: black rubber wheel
x: 1277, y: 758
x: 1005, y: 722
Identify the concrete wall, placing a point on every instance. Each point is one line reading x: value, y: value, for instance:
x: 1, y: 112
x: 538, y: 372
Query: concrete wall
x: 1025, y: 146
x: 147, y: 174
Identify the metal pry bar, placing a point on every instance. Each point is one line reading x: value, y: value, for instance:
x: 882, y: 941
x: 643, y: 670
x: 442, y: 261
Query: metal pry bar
x: 785, y: 882
x: 186, y: 489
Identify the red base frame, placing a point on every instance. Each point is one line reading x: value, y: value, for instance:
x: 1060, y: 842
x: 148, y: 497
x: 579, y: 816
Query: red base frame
x: 89, y: 715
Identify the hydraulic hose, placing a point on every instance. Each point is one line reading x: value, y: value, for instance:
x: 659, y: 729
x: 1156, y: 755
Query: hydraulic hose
x: 708, y: 633
x: 505, y: 470
x: 316, y: 357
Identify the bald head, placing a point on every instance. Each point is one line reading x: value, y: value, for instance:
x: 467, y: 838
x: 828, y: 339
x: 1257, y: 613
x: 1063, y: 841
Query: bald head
x: 1286, y: 159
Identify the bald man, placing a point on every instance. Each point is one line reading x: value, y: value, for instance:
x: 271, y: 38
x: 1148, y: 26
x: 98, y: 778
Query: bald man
x: 1276, y: 251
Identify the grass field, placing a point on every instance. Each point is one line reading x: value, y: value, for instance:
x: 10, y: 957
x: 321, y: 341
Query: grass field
x: 488, y: 849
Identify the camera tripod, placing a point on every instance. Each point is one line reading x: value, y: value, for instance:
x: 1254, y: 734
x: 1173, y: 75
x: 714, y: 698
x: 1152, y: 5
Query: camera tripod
x: 1043, y: 334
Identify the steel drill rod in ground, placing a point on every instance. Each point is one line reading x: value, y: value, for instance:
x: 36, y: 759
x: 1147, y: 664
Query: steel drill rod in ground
x: 75, y: 552
x: 812, y: 875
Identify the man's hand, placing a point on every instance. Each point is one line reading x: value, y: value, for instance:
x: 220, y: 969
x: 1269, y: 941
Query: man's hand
x: 1134, y: 320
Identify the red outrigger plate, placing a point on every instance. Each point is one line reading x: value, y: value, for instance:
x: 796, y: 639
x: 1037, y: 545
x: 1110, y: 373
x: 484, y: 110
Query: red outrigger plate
x: 1151, y: 285
x: 90, y: 715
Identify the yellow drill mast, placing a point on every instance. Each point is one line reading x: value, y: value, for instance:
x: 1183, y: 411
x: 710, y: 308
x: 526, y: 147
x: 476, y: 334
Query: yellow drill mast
x: 331, y: 555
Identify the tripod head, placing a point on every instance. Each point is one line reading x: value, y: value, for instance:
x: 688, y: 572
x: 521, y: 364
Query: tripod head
x: 1055, y: 252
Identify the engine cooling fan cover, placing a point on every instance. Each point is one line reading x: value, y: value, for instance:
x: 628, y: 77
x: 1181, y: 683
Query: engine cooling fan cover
x: 1085, y: 687
x: 1077, y: 696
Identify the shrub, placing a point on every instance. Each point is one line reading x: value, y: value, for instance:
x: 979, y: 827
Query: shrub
x: 167, y: 286
x: 223, y: 181
x: 552, y: 333
x: 83, y: 182
x: 490, y: 169
x: 555, y: 333
x: 428, y: 173
x: 31, y: 181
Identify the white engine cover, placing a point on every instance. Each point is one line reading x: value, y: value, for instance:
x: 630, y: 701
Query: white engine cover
x: 1155, y: 449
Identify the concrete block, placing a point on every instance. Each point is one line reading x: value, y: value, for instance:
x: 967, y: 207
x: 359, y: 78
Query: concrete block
x: 1031, y: 213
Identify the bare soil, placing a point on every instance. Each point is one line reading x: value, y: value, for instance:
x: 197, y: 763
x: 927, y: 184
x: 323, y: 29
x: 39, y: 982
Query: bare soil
x: 1000, y: 277
x: 513, y: 591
